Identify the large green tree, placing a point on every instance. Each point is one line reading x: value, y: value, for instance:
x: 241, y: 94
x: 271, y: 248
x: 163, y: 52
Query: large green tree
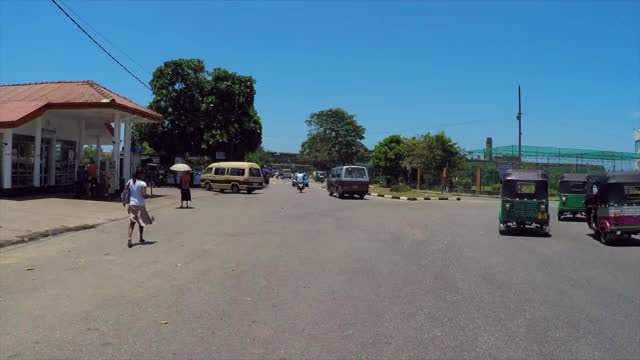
x: 203, y: 111
x: 432, y: 153
x: 334, y: 138
x: 388, y: 157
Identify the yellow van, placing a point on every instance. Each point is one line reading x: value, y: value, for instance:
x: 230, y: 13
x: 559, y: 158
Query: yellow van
x: 234, y: 176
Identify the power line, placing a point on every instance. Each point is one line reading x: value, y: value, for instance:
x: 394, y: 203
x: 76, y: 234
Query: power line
x: 104, y: 37
x: 100, y: 46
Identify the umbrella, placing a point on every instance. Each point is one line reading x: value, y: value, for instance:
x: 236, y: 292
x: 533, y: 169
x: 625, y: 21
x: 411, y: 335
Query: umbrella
x: 180, y: 167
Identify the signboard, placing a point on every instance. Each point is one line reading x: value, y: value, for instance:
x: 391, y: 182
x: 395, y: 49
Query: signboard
x: 220, y: 155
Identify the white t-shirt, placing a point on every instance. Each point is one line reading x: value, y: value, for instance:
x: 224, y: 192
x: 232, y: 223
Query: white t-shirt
x: 300, y: 177
x: 136, y: 192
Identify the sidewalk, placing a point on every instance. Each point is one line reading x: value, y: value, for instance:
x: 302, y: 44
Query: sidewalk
x: 26, y: 219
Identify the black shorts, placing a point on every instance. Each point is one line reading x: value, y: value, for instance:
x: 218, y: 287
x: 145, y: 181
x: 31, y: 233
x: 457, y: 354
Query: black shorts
x: 185, y: 194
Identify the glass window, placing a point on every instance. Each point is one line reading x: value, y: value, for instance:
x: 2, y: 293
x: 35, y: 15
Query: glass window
x: 236, y: 172
x: 632, y: 191
x: 65, y: 162
x: 22, y: 153
x: 526, y: 188
x: 355, y: 173
x: 254, y: 172
x: 220, y: 171
x: 207, y: 171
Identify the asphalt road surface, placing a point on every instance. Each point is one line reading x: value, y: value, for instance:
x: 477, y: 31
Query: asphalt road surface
x: 278, y: 274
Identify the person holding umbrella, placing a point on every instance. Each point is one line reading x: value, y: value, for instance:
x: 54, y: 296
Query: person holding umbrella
x: 184, y: 184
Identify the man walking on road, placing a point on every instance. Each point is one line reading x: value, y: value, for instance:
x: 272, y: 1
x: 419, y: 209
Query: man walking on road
x: 137, y: 209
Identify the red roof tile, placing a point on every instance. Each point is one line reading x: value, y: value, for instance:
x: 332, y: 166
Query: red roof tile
x: 22, y: 103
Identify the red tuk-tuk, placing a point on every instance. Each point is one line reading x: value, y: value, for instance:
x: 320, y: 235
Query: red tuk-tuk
x: 612, y: 203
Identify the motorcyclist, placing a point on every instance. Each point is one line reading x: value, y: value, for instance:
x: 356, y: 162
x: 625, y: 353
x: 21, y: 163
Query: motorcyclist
x: 300, y: 177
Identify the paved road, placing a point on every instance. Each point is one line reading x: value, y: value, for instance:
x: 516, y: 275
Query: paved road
x: 285, y: 275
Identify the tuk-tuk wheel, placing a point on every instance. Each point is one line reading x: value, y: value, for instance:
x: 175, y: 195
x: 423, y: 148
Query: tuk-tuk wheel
x: 502, y: 229
x: 546, y: 229
x: 559, y: 217
x: 207, y: 186
x: 607, y: 238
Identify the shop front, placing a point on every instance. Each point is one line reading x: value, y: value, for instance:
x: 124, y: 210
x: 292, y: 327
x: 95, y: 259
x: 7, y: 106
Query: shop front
x: 45, y: 128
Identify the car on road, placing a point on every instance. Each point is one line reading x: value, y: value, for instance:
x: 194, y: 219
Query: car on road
x: 234, y: 176
x: 613, y: 205
x: 572, y: 190
x: 319, y: 176
x: 348, y: 181
x: 524, y: 201
x: 286, y: 174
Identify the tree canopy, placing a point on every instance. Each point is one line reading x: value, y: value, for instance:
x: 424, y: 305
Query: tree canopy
x: 203, y: 111
x: 388, y: 157
x: 334, y: 138
x: 432, y: 153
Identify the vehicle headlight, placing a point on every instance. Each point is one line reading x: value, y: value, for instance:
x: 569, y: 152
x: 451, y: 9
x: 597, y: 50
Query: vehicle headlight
x: 564, y: 199
x: 543, y: 207
x: 507, y: 206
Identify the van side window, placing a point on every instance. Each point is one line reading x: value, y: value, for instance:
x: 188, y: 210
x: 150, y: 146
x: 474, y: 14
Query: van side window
x: 338, y: 173
x: 253, y: 172
x: 220, y: 171
x: 236, y: 172
x: 207, y: 171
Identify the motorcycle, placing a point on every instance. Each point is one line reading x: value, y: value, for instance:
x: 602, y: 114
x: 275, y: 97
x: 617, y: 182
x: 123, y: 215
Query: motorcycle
x: 300, y: 186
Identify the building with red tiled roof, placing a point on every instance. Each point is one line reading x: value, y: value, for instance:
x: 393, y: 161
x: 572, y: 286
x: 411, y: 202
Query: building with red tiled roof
x: 45, y: 126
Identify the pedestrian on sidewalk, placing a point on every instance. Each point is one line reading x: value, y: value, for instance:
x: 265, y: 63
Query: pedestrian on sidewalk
x: 185, y: 189
x: 137, y: 210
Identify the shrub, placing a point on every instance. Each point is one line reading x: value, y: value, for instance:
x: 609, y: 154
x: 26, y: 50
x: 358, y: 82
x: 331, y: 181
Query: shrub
x: 400, y: 188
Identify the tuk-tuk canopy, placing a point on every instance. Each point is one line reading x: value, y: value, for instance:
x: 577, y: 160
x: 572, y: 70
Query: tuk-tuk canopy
x: 574, y: 177
x: 572, y: 183
x: 521, y: 174
x: 525, y: 184
x: 614, y: 187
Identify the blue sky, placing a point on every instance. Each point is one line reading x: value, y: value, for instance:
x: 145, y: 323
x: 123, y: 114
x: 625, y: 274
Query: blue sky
x: 404, y: 67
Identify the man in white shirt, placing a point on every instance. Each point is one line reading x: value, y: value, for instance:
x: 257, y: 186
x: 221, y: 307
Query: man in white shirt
x: 137, y: 211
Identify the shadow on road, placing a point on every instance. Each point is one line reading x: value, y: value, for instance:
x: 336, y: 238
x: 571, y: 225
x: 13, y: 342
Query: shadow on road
x: 185, y: 208
x: 622, y: 242
x: 577, y: 219
x: 143, y: 244
x: 528, y: 232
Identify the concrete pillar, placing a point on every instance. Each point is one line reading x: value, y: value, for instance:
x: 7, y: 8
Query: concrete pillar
x: 37, y: 152
x: 127, y: 149
x: 116, y: 148
x: 52, y: 161
x: 80, y: 145
x: 7, y: 147
x: 98, y: 155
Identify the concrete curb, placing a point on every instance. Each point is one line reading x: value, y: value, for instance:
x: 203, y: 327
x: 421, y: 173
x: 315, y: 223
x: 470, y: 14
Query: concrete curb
x: 394, y: 197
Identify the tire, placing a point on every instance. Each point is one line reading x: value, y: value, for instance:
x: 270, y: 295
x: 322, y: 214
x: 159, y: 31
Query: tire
x: 249, y: 191
x: 547, y: 230
x: 235, y: 188
x: 339, y: 192
x: 559, y: 217
x: 607, y: 238
x: 330, y: 193
x: 207, y: 186
x: 362, y: 196
x: 504, y: 231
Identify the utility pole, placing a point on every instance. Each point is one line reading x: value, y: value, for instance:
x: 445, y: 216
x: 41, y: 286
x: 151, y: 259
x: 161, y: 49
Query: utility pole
x: 519, y: 117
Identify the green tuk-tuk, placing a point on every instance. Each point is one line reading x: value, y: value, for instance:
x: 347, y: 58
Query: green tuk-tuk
x: 524, y: 200
x: 319, y: 176
x: 572, y: 192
